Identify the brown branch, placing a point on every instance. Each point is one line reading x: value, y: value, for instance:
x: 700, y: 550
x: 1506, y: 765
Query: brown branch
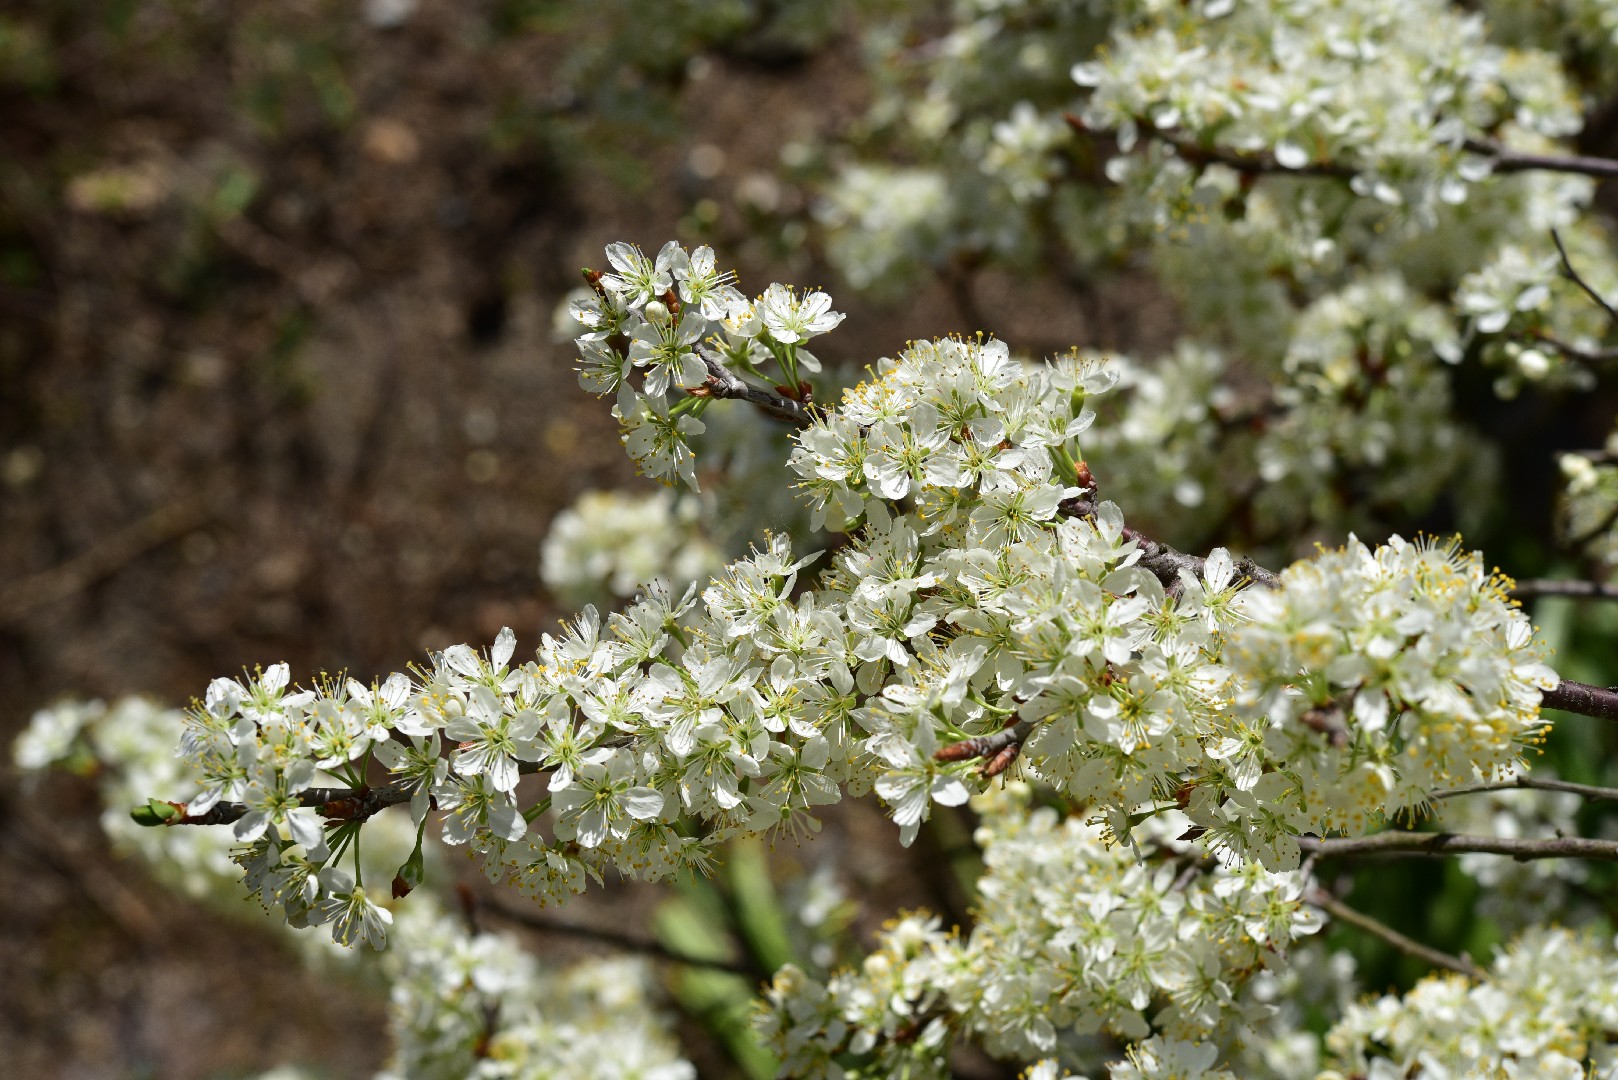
x: 1531, y: 783
x: 1574, y: 352
x: 1000, y: 748
x: 1164, y: 562
x: 1340, y: 911
x: 1440, y: 844
x: 339, y: 804
x: 617, y: 938
x: 1583, y: 590
x: 1513, y: 161
x: 1582, y: 698
x: 724, y: 383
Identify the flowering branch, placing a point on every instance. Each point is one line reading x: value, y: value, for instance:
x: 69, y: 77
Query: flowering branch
x: 1340, y: 911
x: 1589, y: 356
x: 1165, y: 563
x: 1441, y: 844
x: 1198, y: 154
x: 1502, y: 160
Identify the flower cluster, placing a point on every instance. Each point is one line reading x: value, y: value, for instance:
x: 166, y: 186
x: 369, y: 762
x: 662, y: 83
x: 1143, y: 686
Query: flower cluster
x: 674, y: 322
x: 1072, y: 937
x: 609, y: 544
x: 591, y: 1020
x: 466, y: 1004
x: 1548, y: 1009
x: 1298, y: 177
x: 1589, y: 503
x: 1369, y: 680
x: 981, y: 443
x: 1389, y: 90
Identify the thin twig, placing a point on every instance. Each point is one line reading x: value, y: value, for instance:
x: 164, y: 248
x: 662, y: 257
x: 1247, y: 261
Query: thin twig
x: 629, y: 942
x: 1578, y: 279
x: 1531, y: 783
x: 1440, y: 844
x: 1340, y: 911
x: 1583, y: 590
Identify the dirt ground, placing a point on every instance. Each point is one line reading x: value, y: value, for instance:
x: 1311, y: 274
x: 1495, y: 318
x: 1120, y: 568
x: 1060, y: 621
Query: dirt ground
x: 278, y: 381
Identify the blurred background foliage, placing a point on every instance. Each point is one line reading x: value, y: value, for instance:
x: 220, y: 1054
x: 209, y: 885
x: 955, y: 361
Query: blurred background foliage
x: 280, y: 379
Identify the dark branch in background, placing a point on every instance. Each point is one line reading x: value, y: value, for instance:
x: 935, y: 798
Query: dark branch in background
x: 1441, y: 844
x: 724, y: 383
x: 1578, y: 279
x: 629, y: 942
x: 1340, y: 911
x: 1513, y: 161
x: 1164, y: 562
x: 1530, y: 783
x: 1583, y: 590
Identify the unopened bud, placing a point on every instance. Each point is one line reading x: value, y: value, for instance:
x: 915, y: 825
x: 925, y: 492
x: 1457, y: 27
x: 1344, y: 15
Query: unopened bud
x: 411, y: 873
x: 157, y: 812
